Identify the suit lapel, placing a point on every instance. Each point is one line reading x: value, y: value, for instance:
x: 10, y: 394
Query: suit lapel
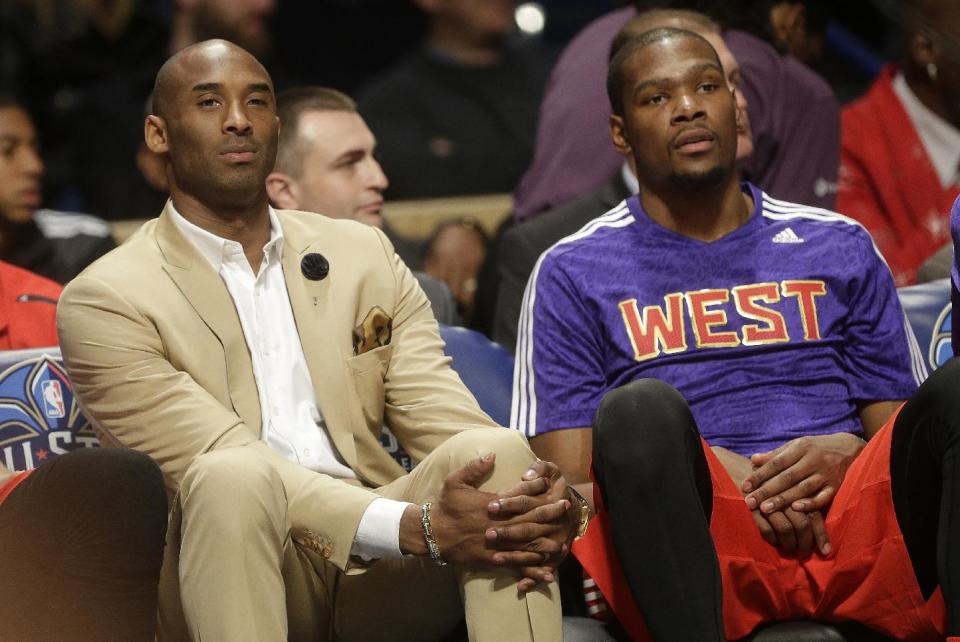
x: 323, y: 347
x: 208, y: 295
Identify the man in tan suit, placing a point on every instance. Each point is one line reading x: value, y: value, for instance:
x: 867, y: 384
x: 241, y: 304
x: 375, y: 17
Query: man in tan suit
x: 255, y: 355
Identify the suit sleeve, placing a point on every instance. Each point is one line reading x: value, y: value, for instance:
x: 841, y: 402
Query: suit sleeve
x: 136, y: 398
x: 425, y: 400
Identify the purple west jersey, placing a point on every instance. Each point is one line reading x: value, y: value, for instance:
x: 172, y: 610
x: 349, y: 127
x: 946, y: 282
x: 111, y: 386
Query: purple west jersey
x: 773, y: 332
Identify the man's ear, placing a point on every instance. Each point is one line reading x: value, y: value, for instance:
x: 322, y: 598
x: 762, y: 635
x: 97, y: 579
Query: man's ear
x: 617, y: 135
x: 155, y: 134
x: 281, y: 190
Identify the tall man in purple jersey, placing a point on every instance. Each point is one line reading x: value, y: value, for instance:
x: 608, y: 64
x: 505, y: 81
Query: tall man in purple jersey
x: 732, y: 353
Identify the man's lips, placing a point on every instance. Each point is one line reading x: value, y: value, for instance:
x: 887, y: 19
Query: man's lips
x: 694, y: 140
x: 372, y: 208
x: 239, y: 154
x: 30, y: 196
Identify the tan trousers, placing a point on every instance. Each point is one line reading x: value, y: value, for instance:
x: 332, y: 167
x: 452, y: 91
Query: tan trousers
x: 242, y: 577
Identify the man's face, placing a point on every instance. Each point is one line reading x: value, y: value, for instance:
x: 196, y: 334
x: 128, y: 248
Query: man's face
x: 20, y: 166
x: 340, y: 177
x: 221, y: 126
x: 679, y: 116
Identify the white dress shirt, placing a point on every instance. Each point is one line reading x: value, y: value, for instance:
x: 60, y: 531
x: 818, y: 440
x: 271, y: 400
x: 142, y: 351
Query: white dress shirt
x: 293, y: 425
x: 940, y: 139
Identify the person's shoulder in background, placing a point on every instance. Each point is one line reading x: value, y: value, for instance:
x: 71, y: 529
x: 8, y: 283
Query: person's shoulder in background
x: 77, y: 240
x: 28, y: 309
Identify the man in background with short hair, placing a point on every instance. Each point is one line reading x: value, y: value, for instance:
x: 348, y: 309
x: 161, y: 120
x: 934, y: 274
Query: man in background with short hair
x: 326, y: 164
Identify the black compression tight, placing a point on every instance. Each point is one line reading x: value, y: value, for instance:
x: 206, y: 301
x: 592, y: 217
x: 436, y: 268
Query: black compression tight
x: 81, y: 543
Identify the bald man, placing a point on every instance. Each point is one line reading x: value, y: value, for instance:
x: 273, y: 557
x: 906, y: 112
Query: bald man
x: 255, y: 354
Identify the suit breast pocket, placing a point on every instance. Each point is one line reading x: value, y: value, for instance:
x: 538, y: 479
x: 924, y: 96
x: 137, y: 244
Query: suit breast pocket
x: 367, y: 373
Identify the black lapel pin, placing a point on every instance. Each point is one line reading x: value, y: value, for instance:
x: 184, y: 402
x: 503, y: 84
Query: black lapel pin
x: 315, y: 267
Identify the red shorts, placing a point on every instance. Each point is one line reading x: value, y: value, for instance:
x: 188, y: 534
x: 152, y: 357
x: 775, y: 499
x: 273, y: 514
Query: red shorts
x: 868, y: 579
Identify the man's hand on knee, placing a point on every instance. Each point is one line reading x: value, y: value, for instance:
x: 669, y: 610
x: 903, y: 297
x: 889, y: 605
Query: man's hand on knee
x: 542, y: 521
x: 460, y: 521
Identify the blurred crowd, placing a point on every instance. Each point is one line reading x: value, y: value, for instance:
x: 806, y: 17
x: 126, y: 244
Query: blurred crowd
x: 851, y: 107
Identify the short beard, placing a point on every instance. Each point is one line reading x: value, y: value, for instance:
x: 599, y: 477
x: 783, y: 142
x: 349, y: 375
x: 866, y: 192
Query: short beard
x: 697, y: 181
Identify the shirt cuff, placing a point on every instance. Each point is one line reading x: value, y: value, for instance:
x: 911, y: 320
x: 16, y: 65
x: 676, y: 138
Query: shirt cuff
x: 378, y: 536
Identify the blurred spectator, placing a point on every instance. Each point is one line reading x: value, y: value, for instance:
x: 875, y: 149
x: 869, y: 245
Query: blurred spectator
x: 454, y: 254
x: 901, y: 142
x: 522, y: 244
x: 793, y: 113
x: 325, y: 164
x: 28, y: 309
x: 244, y: 22
x: 459, y: 116
x: 52, y: 244
x: 796, y: 27
x: 83, y: 69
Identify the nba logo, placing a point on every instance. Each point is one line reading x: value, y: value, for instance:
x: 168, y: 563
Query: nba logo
x: 53, y: 399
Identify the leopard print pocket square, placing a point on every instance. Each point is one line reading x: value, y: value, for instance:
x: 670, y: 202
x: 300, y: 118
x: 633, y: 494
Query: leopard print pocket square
x: 375, y: 331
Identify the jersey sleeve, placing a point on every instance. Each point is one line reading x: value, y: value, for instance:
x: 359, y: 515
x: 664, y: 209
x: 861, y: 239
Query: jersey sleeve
x: 559, y: 378
x: 881, y: 353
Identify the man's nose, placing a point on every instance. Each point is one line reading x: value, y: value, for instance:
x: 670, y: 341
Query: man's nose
x: 688, y: 108
x: 376, y: 177
x: 236, y: 121
x: 30, y: 161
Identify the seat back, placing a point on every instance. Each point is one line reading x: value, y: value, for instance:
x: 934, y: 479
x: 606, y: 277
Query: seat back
x: 39, y: 416
x: 928, y: 308
x: 485, y: 367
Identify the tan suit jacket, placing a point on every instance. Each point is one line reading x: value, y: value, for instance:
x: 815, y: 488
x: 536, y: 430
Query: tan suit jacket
x: 154, y: 347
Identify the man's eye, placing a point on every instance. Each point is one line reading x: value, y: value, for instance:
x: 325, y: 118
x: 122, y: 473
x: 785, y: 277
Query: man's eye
x: 707, y: 87
x: 656, y: 99
x: 260, y: 102
x: 209, y: 102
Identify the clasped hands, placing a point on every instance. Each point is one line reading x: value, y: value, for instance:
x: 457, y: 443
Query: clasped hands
x: 528, y: 527
x: 788, y: 489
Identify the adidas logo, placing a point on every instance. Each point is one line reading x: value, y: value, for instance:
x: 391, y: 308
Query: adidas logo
x: 787, y: 235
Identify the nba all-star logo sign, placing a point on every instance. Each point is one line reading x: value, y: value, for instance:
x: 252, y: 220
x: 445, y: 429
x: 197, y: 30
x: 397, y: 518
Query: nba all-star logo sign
x: 39, y: 417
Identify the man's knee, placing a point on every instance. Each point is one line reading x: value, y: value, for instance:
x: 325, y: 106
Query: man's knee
x: 511, y: 448
x: 230, y: 477
x: 646, y: 411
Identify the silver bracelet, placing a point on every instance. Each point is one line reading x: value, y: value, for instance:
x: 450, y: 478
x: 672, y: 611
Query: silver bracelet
x: 428, y: 535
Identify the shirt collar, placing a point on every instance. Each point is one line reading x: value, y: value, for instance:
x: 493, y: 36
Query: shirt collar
x: 940, y: 139
x: 215, y: 248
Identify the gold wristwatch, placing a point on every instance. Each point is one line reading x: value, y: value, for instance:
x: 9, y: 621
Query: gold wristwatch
x: 584, y: 512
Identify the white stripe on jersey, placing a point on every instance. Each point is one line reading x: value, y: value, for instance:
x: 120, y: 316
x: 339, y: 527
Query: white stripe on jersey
x: 784, y: 211
x: 523, y: 408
